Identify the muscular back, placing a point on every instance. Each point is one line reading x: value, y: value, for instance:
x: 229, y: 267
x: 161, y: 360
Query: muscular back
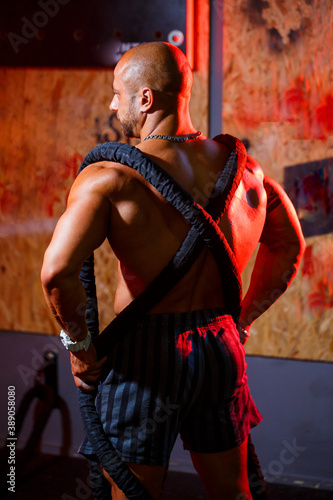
x: 145, y: 231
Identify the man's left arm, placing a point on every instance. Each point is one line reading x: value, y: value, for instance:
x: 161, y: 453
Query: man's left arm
x: 281, y: 248
x: 82, y: 228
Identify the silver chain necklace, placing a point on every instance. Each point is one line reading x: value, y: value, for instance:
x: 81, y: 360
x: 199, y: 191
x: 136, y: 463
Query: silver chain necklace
x: 174, y: 138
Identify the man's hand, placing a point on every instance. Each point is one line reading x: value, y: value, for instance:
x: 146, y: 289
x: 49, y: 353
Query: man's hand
x: 244, y: 333
x: 86, y: 369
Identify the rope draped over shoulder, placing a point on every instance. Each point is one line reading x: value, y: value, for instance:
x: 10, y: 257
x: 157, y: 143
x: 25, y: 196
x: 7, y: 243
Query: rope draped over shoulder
x: 194, y: 213
x: 204, y: 231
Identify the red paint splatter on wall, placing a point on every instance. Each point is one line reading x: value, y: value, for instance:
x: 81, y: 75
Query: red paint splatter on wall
x: 10, y: 198
x: 301, y: 103
x: 54, y: 183
x: 318, y: 275
x: 324, y: 114
x: 37, y: 196
x: 308, y: 266
x: 320, y: 298
x: 295, y: 101
x: 71, y: 166
x: 309, y: 112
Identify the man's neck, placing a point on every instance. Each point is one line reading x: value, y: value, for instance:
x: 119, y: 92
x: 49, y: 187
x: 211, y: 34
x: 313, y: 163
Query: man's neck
x: 170, y: 125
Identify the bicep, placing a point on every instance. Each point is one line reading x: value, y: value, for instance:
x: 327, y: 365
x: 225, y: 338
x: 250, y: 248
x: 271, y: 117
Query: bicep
x: 82, y: 228
x: 282, y: 226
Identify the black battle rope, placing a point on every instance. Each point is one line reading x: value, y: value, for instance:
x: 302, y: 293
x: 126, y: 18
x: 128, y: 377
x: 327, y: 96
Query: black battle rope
x: 204, y: 230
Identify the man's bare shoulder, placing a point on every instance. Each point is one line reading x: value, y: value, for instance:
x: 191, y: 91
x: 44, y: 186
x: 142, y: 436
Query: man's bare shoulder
x: 105, y: 177
x: 253, y: 167
x: 272, y: 187
x: 102, y: 169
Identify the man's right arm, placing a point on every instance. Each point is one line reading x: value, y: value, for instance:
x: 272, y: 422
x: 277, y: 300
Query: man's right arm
x: 281, y: 249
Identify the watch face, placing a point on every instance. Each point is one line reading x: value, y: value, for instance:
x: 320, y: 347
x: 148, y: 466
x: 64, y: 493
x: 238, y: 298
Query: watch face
x: 75, y: 346
x: 66, y: 341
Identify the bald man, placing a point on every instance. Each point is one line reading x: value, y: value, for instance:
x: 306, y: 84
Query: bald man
x: 181, y: 369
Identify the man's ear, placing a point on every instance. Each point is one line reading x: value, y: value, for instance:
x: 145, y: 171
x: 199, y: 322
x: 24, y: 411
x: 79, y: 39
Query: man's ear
x: 147, y: 99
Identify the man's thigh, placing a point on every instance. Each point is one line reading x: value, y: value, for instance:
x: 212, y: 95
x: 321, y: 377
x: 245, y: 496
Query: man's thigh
x: 151, y: 477
x: 224, y: 474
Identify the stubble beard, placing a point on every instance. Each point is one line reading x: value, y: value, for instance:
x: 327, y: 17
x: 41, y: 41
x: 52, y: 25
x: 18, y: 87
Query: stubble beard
x: 127, y: 129
x: 129, y: 122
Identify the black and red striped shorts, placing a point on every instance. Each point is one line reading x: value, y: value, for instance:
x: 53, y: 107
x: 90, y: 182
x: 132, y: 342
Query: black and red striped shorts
x: 176, y: 373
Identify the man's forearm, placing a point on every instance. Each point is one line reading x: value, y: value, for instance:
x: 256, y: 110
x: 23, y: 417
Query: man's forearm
x: 281, y: 249
x: 66, y: 299
x: 273, y: 272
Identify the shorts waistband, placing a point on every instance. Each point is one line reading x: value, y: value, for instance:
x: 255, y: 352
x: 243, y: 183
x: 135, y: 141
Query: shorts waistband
x: 177, y: 319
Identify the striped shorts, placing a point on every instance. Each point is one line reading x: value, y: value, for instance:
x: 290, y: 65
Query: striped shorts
x: 176, y: 373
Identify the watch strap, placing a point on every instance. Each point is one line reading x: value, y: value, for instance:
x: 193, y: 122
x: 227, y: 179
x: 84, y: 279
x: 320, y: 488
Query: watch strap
x: 72, y: 346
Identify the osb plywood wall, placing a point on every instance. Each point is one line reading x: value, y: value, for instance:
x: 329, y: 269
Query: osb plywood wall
x: 278, y: 94
x: 50, y: 119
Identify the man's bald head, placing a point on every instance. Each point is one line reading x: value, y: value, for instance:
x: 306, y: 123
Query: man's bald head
x: 159, y: 66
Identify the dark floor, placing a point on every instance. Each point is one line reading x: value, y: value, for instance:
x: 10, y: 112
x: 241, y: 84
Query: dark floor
x: 49, y: 477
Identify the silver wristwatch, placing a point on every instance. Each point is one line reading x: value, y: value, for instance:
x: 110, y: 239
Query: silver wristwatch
x: 243, y: 334
x: 75, y: 346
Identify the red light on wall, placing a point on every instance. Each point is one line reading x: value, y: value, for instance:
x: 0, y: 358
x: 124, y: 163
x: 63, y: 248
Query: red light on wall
x: 190, y: 32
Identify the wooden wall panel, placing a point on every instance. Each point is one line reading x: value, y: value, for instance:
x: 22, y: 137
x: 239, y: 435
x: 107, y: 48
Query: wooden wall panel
x: 50, y: 119
x: 277, y: 93
x: 277, y: 90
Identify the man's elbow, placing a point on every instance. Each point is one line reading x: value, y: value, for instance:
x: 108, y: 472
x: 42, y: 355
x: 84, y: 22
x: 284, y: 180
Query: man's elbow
x: 53, y: 273
x: 49, y: 276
